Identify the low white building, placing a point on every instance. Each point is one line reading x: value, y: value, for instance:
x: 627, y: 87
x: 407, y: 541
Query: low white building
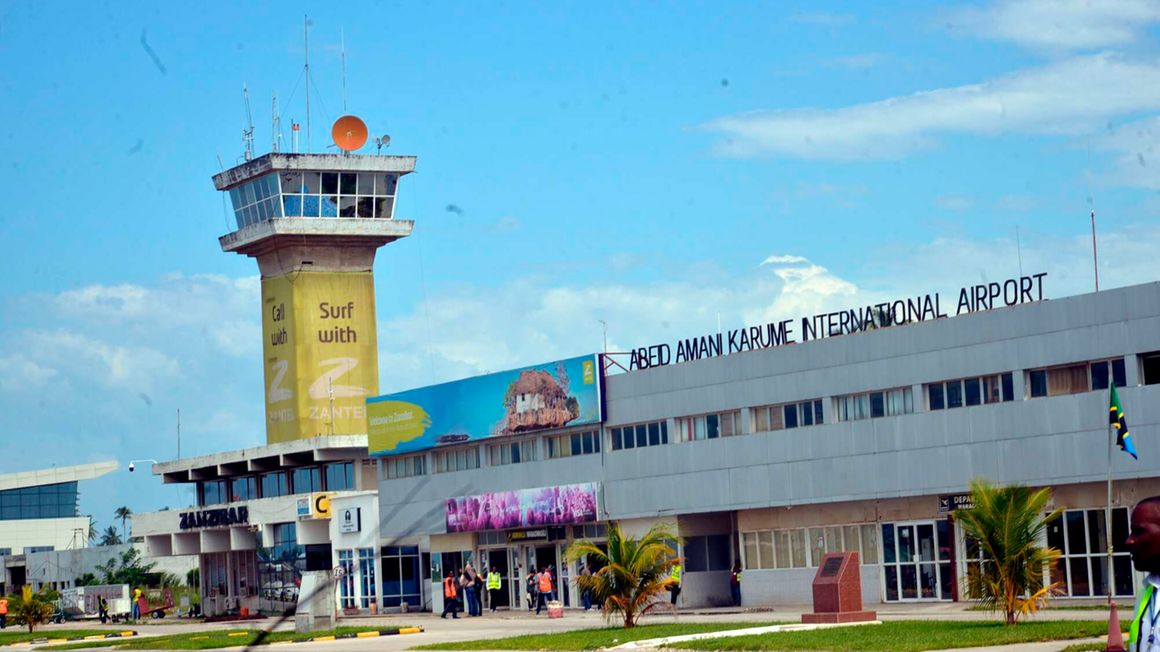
x: 264, y: 516
x: 40, y: 512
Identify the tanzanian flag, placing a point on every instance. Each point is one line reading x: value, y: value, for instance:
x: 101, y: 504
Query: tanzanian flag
x: 1116, y: 418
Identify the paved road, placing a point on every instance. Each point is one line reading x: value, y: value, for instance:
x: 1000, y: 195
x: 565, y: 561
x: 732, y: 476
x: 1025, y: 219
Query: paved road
x: 504, y: 623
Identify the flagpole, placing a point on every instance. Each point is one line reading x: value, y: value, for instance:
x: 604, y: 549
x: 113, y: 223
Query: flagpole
x: 1115, y: 637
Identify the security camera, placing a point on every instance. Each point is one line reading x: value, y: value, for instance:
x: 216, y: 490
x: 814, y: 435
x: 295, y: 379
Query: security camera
x: 131, y: 467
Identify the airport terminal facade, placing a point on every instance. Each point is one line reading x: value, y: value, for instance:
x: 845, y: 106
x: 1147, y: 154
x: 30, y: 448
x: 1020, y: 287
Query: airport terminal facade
x: 857, y: 430
x: 864, y: 442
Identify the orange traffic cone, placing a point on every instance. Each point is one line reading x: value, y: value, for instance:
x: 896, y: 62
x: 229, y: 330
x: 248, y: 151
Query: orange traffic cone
x: 1115, y: 636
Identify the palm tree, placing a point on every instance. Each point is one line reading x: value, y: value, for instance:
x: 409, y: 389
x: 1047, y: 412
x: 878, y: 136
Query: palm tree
x: 634, y: 573
x: 110, y: 537
x: 93, y: 533
x: 32, y: 609
x: 1008, y: 522
x: 125, y: 514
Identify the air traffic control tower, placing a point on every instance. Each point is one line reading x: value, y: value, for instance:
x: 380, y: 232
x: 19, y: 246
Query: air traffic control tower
x: 314, y: 222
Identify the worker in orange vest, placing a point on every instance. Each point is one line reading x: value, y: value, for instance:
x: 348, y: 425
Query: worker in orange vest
x: 544, y: 589
x: 450, y: 596
x: 3, y: 612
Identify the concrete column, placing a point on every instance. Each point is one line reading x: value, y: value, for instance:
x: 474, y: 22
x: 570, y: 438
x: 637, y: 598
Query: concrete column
x: 1019, y: 384
x: 1132, y: 370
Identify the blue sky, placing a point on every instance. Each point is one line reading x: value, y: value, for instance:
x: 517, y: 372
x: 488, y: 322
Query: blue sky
x: 658, y: 168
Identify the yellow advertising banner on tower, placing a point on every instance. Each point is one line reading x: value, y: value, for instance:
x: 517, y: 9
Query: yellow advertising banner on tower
x: 321, y: 353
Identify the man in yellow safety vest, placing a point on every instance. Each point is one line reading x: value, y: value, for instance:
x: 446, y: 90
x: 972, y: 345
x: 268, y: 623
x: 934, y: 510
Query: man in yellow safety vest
x: 493, y: 581
x: 1144, y: 544
x: 675, y: 582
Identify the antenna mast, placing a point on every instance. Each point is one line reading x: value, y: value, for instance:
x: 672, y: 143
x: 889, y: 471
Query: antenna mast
x: 306, y: 41
x: 342, y: 38
x: 277, y: 140
x: 248, y: 132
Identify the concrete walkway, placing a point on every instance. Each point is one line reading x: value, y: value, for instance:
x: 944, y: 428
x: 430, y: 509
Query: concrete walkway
x: 510, y: 623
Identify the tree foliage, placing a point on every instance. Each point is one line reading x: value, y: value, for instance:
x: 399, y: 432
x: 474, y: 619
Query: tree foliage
x: 193, y: 577
x: 125, y: 514
x: 634, y: 573
x: 127, y: 569
x: 31, y: 609
x: 110, y: 537
x: 1007, y: 523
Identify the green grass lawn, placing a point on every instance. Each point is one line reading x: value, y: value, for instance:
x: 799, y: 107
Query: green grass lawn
x: 910, y: 636
x: 894, y: 636
x: 207, y: 640
x: 587, y: 639
x: 17, y: 634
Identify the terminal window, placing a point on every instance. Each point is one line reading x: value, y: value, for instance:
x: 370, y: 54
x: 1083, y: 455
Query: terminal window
x: 886, y: 403
x: 1151, y: 368
x: 1076, y: 378
x: 709, y: 426
x: 788, y: 415
x: 971, y: 391
x: 405, y: 467
x: 640, y: 435
x: 457, y: 460
x: 576, y: 443
x: 44, y: 501
x: 512, y: 452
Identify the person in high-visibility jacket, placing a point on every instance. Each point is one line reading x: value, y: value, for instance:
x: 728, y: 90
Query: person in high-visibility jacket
x: 3, y: 612
x: 493, y: 581
x: 675, y: 582
x: 543, y: 589
x: 450, y: 596
x: 735, y: 584
x: 1144, y: 544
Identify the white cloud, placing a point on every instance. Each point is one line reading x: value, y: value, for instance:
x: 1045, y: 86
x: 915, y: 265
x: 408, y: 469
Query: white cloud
x: 1069, y: 97
x: 955, y: 202
x: 1016, y: 203
x: 781, y: 260
x: 1058, y: 24
x: 23, y: 373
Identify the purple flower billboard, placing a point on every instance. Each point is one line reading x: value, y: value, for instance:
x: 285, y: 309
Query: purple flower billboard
x: 502, y: 510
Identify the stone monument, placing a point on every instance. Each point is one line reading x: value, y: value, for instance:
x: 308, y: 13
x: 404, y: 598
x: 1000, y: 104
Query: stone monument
x: 838, y: 591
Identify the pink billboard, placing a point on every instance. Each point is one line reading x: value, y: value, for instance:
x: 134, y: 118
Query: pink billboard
x: 564, y: 505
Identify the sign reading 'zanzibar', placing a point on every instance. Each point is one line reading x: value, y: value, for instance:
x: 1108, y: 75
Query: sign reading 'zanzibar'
x: 972, y: 298
x: 215, y: 518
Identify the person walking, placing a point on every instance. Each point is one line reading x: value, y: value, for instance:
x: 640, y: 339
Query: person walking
x: 532, y: 583
x: 675, y: 582
x: 135, y: 608
x: 493, y: 583
x: 103, y: 609
x: 735, y: 584
x: 470, y: 591
x: 1144, y: 544
x: 585, y: 594
x: 450, y: 596
x: 3, y: 612
x: 543, y: 589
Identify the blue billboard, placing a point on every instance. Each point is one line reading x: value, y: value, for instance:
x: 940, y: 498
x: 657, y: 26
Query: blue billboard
x: 541, y: 397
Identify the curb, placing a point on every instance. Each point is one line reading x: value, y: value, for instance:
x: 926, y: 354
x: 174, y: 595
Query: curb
x: 53, y: 641
x: 370, y: 634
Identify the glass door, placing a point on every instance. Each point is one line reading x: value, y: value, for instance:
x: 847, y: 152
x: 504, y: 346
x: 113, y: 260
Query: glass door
x: 916, y: 561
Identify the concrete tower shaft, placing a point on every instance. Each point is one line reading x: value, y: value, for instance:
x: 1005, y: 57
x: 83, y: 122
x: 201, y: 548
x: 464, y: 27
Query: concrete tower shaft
x: 314, y: 223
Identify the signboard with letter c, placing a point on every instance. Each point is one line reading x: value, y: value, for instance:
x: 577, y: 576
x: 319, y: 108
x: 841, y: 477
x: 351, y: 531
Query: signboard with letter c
x: 320, y: 505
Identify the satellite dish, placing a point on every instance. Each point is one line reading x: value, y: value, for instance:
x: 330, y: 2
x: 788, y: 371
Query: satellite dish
x: 349, y: 133
x: 383, y: 141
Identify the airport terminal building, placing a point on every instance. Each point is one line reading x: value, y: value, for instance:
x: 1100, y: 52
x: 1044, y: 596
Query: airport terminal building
x: 856, y: 430
x: 773, y: 456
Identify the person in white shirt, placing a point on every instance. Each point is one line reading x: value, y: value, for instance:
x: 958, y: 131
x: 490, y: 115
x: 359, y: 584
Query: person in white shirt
x: 1144, y: 544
